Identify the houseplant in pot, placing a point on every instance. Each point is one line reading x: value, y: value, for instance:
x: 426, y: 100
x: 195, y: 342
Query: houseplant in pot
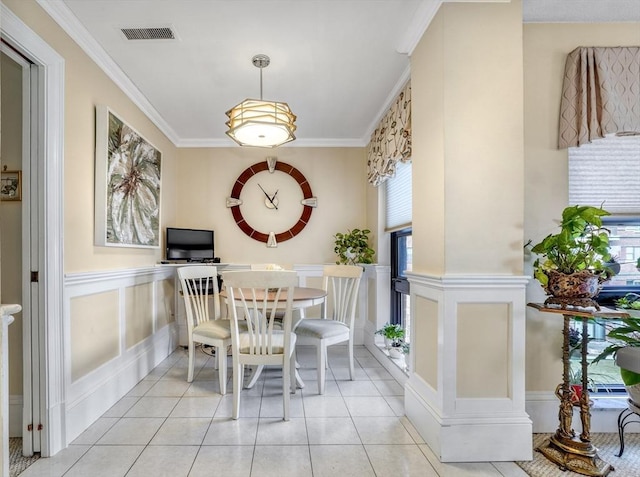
x: 571, y: 264
x: 393, y: 335
x: 625, y: 344
x: 353, y: 247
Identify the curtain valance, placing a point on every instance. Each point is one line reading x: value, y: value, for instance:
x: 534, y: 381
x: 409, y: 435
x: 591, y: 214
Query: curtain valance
x: 391, y: 140
x: 600, y: 94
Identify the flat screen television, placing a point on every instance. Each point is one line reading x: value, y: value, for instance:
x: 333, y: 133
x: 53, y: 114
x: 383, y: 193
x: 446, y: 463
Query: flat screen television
x: 189, y: 244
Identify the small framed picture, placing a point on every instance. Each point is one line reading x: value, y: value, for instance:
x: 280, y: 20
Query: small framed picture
x: 11, y: 185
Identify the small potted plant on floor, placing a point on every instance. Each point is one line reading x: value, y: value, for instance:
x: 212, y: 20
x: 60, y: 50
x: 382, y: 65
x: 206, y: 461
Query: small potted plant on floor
x: 393, y: 335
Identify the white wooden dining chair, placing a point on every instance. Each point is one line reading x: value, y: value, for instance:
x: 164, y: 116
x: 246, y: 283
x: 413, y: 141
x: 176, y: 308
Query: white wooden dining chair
x: 199, y: 287
x: 341, y: 282
x: 255, y: 337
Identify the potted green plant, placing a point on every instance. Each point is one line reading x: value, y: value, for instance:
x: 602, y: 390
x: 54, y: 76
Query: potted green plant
x: 571, y: 266
x: 393, y: 335
x: 353, y: 247
x: 625, y: 335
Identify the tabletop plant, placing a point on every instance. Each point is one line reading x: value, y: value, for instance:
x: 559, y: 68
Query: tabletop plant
x: 353, y: 247
x: 573, y: 262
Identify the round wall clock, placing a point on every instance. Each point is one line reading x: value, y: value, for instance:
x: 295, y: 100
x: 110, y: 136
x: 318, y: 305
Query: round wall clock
x: 264, y: 195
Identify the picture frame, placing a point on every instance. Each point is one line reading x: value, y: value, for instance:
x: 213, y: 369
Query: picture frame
x: 127, y: 184
x: 11, y: 185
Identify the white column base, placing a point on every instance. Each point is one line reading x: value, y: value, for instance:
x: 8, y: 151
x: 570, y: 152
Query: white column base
x: 470, y: 439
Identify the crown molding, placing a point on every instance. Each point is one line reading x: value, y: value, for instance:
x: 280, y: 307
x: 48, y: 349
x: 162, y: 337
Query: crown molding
x: 402, y: 81
x: 65, y: 18
x: 421, y: 21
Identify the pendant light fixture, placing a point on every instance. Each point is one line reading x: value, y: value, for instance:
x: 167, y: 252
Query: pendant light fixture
x: 261, y: 123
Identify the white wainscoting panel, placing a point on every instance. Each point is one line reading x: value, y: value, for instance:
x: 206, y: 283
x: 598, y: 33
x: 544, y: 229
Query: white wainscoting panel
x: 88, y: 397
x: 470, y: 428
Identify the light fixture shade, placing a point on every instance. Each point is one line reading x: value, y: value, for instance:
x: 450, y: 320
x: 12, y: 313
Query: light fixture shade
x: 261, y: 123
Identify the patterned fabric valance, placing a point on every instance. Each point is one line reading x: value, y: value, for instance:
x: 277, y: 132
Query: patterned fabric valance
x: 600, y: 94
x: 391, y: 141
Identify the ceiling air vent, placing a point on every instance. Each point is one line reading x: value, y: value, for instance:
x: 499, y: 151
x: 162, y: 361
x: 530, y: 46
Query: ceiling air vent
x: 158, y: 33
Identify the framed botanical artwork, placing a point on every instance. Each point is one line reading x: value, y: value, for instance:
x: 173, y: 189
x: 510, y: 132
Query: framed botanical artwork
x: 11, y: 185
x: 127, y: 185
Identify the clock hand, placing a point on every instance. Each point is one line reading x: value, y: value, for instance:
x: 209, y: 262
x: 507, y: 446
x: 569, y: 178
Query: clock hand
x: 268, y: 198
x: 274, y: 196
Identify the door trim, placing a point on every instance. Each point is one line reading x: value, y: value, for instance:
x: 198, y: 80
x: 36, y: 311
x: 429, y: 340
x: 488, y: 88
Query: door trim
x: 50, y: 162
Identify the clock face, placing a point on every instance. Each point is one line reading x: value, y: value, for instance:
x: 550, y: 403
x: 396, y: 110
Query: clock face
x: 271, y: 202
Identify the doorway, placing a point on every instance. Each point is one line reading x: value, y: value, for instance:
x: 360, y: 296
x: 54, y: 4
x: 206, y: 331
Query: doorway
x: 42, y: 200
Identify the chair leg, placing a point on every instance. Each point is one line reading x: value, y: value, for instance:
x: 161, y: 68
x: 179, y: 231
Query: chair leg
x: 190, y: 370
x: 322, y: 363
x: 293, y: 374
x: 286, y: 386
x: 237, y: 387
x: 352, y: 371
x: 221, y: 351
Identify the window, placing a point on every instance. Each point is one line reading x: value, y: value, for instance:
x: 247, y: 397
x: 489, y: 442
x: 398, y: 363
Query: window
x: 605, y: 173
x: 398, y: 196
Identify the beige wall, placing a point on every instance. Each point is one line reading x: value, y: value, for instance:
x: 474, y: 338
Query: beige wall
x: 11, y: 212
x: 467, y: 141
x: 205, y: 178
x: 86, y: 85
x: 545, y: 49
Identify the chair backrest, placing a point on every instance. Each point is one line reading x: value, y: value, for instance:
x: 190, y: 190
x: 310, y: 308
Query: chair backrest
x: 341, y: 282
x: 199, y: 285
x: 258, y: 296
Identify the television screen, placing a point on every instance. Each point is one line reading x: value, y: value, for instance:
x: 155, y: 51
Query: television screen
x: 189, y: 244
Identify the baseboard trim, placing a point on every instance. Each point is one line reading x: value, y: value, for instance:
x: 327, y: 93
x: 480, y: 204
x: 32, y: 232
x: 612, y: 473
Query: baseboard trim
x: 123, y: 375
x: 470, y: 440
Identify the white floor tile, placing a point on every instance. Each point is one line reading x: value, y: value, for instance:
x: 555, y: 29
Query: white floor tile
x: 167, y: 427
x: 182, y: 431
x: 201, y: 406
x: 281, y: 461
x: 232, y: 432
x: 368, y: 406
x: 389, y: 387
x: 227, y: 461
x: 56, y: 466
x: 324, y: 406
x: 279, y: 432
x: 249, y: 406
x: 168, y: 388
x: 399, y: 460
x: 358, y: 388
x: 332, y: 430
x: 132, y: 431
x: 105, y: 461
x: 148, y: 406
x: 164, y: 461
x: 95, y: 431
x: 340, y: 460
x: 120, y: 408
x: 382, y: 430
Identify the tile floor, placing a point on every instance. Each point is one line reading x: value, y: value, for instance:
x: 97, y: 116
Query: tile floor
x: 167, y: 427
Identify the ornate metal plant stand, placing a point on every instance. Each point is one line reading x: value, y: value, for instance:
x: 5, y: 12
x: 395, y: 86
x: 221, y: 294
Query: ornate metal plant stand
x: 564, y: 448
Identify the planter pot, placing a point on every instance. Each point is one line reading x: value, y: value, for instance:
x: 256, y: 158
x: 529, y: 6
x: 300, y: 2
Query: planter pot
x: 395, y: 352
x: 582, y: 284
x: 628, y: 359
x: 634, y: 393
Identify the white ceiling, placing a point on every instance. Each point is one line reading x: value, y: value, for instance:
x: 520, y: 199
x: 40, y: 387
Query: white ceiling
x: 338, y: 63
